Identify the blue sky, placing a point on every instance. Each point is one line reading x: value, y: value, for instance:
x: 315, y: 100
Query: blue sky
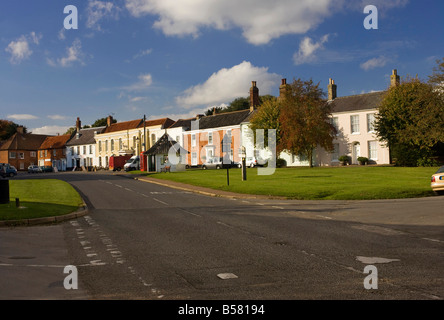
x: 177, y: 58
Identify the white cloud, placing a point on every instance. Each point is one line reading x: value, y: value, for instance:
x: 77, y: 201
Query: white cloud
x: 99, y: 10
x: 20, y: 49
x: 260, y: 20
x: 145, y: 80
x: 227, y: 84
x: 307, y: 50
x: 61, y: 34
x: 50, y: 130
x: 373, y: 63
x: 179, y: 115
x: 22, y: 116
x: 57, y: 117
x: 137, y: 99
x: 73, y: 54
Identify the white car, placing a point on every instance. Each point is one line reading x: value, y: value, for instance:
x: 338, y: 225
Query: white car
x: 437, y: 182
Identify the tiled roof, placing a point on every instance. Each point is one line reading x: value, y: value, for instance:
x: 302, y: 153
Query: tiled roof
x: 24, y: 141
x: 55, y: 142
x: 185, y: 123
x: 164, y: 122
x: 86, y: 136
x: 357, y: 102
x: 122, y: 126
x: 223, y: 119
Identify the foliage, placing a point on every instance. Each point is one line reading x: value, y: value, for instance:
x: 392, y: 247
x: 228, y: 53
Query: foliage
x: 266, y: 117
x: 437, y: 77
x: 7, y: 129
x: 344, y: 159
x: 101, y: 122
x: 237, y: 104
x: 411, y: 121
x: 363, y: 160
x: 305, y: 120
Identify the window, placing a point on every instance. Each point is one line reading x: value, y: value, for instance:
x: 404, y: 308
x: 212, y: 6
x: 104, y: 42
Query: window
x: 12, y: 155
x: 210, y: 138
x: 370, y: 122
x: 54, y: 152
x: 354, y: 120
x: 100, y: 161
x: 21, y: 155
x: 335, y: 123
x: 84, y: 149
x: 335, y: 153
x: 78, y: 150
x: 46, y: 153
x: 100, y: 146
x: 112, y: 144
x: 22, y: 165
x: 41, y: 153
x: 193, y: 140
x: 106, y: 145
x: 90, y: 149
x: 120, y: 144
x: 134, y: 142
x: 32, y: 154
x: 373, y: 150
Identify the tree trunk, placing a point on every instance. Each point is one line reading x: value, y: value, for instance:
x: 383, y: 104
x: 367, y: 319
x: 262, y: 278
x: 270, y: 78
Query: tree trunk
x: 310, y: 157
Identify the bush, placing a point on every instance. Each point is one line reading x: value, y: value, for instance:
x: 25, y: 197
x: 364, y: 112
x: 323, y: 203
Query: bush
x: 427, y: 162
x: 344, y: 159
x: 363, y: 160
x: 281, y: 163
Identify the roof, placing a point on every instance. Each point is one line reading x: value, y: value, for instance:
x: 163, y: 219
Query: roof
x: 163, y: 122
x: 86, y: 136
x: 357, y: 102
x: 24, y: 141
x: 164, y: 145
x: 55, y: 142
x: 223, y: 119
x: 123, y: 126
x: 184, y: 123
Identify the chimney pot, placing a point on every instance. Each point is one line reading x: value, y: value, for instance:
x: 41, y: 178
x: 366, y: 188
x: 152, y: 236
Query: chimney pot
x: 254, y: 96
x: 394, y: 78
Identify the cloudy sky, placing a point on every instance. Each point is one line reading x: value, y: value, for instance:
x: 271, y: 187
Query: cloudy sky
x: 177, y: 58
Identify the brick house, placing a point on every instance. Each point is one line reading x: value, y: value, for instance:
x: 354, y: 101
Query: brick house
x: 52, y: 152
x: 20, y: 150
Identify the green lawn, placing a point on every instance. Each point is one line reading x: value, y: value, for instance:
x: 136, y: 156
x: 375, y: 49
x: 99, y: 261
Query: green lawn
x: 40, y: 198
x: 329, y: 183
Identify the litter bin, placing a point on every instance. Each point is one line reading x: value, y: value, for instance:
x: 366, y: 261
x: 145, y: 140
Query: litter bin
x: 4, y: 191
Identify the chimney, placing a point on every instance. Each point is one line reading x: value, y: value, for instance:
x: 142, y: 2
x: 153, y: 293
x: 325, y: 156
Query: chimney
x: 254, y: 96
x: 198, y: 116
x: 20, y: 129
x: 214, y: 111
x: 78, y: 125
x: 331, y: 89
x: 282, y: 88
x: 394, y: 78
x: 109, y: 121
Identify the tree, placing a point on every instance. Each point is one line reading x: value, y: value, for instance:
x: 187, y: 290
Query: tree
x: 411, y: 121
x: 437, y: 78
x: 70, y: 130
x: 305, y: 120
x: 8, y: 128
x: 101, y: 122
x: 266, y: 117
x: 237, y: 104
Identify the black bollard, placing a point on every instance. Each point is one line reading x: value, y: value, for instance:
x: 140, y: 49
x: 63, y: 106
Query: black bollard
x: 4, y: 191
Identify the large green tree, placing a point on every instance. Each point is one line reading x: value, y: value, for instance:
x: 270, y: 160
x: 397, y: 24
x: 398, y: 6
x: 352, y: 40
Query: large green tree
x: 411, y: 121
x: 305, y: 120
x: 437, y: 78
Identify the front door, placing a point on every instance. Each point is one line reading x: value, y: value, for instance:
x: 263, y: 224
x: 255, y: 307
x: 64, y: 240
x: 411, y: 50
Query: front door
x: 356, y: 152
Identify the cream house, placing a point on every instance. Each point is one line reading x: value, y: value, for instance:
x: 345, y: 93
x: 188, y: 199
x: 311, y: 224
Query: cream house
x: 128, y: 137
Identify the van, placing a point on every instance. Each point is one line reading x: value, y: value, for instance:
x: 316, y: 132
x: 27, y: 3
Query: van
x: 132, y: 164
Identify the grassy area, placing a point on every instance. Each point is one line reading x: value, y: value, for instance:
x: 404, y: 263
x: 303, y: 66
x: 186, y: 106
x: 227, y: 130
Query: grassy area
x: 329, y: 183
x: 40, y: 198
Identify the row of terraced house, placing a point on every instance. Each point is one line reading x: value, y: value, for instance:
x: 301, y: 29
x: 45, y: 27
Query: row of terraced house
x: 197, y: 139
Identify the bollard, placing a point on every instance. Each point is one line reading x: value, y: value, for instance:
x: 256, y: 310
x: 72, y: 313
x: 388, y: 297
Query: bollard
x: 4, y: 191
x: 17, y: 202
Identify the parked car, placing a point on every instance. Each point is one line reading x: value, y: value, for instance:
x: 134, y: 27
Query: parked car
x: 34, y: 169
x: 217, y: 163
x: 5, y: 170
x: 46, y: 168
x: 437, y: 182
x: 251, y: 162
x: 11, y: 171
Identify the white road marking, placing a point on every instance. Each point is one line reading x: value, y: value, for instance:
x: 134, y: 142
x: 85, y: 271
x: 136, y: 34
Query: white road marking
x: 226, y: 276
x: 325, y: 217
x: 160, y: 201
x: 372, y: 260
x: 118, y: 185
x: 128, y: 189
x: 277, y: 207
x: 434, y: 240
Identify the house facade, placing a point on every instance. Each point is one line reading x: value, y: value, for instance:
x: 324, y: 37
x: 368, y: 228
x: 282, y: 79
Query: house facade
x: 20, y: 150
x: 81, y: 148
x: 128, y: 137
x: 52, y: 152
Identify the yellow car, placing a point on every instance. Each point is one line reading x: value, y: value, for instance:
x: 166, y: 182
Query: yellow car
x: 437, y: 183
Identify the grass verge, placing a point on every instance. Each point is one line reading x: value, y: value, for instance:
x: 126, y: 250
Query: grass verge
x: 320, y: 183
x: 40, y: 198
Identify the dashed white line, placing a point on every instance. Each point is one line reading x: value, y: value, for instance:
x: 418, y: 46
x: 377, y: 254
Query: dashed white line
x: 160, y: 201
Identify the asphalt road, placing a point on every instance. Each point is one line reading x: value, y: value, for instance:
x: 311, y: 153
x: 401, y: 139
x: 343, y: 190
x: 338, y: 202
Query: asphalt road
x: 145, y: 241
